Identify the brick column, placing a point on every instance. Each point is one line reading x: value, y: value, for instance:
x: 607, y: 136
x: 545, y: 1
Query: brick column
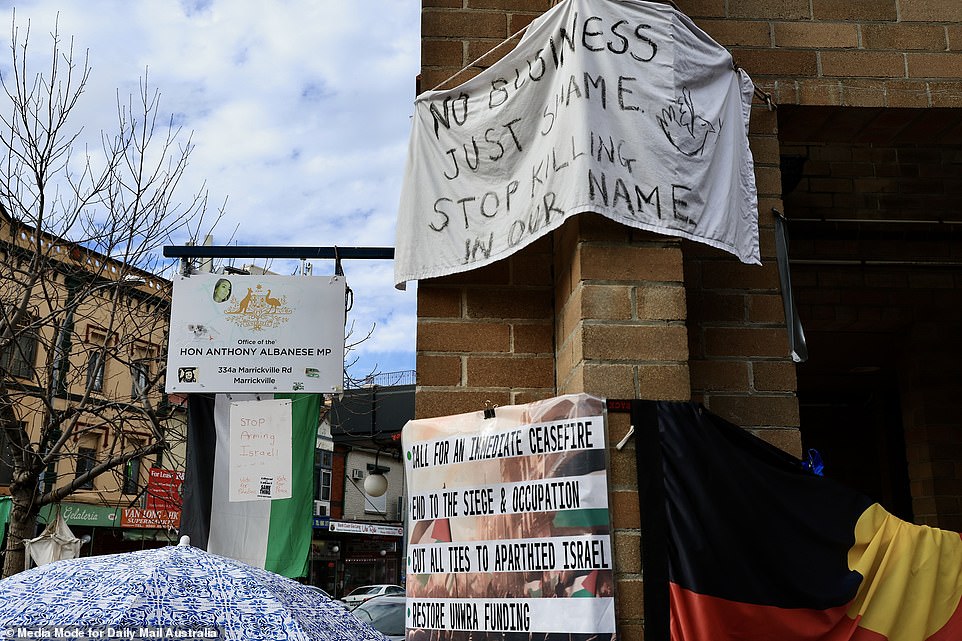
x: 485, y: 337
x: 620, y: 325
x: 620, y: 328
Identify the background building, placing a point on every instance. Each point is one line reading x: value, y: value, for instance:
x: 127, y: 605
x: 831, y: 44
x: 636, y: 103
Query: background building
x: 862, y: 156
x: 82, y: 370
x: 358, y: 538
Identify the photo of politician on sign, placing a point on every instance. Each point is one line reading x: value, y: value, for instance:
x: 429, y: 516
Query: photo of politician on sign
x: 509, y: 525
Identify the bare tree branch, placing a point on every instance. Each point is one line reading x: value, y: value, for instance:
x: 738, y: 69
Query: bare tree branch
x: 83, y: 310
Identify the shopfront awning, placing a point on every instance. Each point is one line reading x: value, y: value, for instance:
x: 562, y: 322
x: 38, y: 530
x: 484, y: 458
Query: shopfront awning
x: 5, y: 505
x: 366, y: 528
x: 83, y: 514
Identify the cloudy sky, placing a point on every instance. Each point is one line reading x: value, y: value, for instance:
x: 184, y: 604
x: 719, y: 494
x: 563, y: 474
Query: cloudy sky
x: 300, y: 113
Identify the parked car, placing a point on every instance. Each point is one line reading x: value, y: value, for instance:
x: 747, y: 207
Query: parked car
x: 385, y: 614
x: 365, y: 592
x: 324, y: 593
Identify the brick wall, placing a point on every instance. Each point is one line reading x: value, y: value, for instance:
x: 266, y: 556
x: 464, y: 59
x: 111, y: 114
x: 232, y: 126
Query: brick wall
x: 869, y: 53
x: 740, y: 365
x: 485, y: 338
x: 456, y: 33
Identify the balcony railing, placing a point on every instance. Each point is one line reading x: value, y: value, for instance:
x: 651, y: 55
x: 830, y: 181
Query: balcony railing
x: 385, y: 379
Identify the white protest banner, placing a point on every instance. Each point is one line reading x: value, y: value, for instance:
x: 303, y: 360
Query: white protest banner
x: 508, y: 522
x: 236, y: 333
x: 260, y: 450
x: 620, y: 107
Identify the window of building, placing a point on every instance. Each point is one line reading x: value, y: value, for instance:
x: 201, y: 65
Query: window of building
x: 95, y: 371
x: 139, y: 377
x: 132, y: 476
x: 324, y: 488
x: 20, y: 356
x: 49, y: 476
x: 6, y: 459
x: 96, y: 360
x: 86, y: 460
x: 324, y: 474
x: 142, y: 358
x: 61, y: 361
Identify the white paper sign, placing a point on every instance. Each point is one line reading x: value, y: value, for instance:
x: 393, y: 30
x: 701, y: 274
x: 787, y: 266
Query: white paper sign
x: 620, y: 107
x: 260, y: 450
x: 277, y: 334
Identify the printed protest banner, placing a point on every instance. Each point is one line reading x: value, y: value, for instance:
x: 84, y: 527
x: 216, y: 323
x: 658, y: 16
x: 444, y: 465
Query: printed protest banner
x: 620, y: 107
x: 508, y: 523
x: 277, y: 334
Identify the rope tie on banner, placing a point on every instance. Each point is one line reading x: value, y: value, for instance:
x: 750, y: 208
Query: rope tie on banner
x: 489, y: 409
x: 761, y: 95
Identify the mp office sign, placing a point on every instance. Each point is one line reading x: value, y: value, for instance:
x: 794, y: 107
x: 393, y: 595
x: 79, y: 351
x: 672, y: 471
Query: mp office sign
x: 264, y: 333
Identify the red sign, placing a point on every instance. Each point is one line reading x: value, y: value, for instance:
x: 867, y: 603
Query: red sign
x: 163, y: 489
x: 135, y: 517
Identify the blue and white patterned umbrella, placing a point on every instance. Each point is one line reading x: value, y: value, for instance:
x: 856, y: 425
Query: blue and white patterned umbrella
x: 171, y: 592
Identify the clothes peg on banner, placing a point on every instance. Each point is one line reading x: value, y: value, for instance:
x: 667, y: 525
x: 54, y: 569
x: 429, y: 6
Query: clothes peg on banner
x: 489, y: 409
x: 624, y: 440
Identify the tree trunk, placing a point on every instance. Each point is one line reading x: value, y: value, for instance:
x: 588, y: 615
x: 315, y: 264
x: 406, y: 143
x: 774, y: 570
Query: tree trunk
x: 23, y: 525
x: 23, y: 488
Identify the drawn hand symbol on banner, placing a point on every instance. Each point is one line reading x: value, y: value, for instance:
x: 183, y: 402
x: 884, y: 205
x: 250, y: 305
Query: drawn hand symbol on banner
x: 685, y: 129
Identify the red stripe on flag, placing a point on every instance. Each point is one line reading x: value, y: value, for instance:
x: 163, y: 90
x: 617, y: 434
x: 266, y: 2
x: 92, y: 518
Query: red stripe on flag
x: 696, y: 617
x: 441, y: 531
x: 952, y: 630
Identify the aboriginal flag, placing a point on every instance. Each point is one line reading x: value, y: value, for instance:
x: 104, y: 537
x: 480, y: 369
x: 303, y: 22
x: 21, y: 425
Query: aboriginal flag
x: 741, y: 542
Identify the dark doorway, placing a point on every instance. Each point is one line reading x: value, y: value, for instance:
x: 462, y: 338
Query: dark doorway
x: 850, y: 412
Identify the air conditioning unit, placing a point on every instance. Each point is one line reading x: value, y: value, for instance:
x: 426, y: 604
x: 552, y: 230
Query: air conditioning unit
x: 320, y: 508
x: 357, y: 474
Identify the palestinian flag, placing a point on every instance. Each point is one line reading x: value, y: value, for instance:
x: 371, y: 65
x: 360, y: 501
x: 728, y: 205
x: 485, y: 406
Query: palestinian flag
x: 271, y: 534
x: 585, y: 585
x: 742, y: 543
x: 583, y: 518
x: 436, y: 531
x: 441, y: 531
x: 533, y: 589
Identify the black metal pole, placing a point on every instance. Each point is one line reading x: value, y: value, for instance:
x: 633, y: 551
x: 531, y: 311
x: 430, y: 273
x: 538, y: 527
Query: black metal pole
x: 263, y: 251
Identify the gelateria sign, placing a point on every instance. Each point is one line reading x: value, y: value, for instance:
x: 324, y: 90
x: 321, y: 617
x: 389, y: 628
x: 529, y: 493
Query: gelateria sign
x: 269, y: 334
x: 82, y: 514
